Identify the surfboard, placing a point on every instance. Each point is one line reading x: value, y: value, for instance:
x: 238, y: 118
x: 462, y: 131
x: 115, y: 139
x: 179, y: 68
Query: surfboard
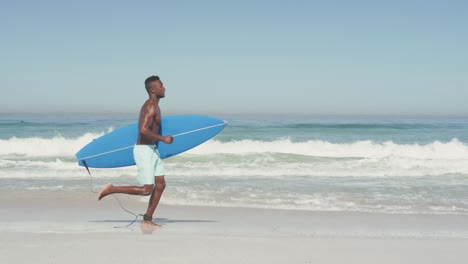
x: 115, y: 149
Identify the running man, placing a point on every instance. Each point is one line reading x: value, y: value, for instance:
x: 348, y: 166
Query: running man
x: 150, y: 165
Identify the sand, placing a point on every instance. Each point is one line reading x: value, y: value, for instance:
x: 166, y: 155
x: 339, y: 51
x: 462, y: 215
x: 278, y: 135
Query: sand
x: 65, y: 227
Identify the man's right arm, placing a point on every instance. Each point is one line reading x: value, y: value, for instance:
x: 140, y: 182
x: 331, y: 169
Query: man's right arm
x: 149, y: 113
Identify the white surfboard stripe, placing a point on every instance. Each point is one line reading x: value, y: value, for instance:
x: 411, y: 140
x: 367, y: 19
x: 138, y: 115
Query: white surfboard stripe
x: 108, y: 152
x: 199, y: 129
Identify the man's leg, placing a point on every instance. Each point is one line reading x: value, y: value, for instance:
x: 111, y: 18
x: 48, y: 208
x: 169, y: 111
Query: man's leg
x: 156, y: 195
x: 133, y: 190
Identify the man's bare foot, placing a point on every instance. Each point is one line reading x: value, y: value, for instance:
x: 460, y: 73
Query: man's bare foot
x: 149, y: 223
x: 147, y: 227
x: 105, y: 191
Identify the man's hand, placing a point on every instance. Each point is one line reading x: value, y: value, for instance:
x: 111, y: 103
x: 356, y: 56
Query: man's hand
x: 168, y: 139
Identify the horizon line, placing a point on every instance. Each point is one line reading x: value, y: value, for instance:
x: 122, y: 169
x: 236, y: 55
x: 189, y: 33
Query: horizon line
x: 243, y: 114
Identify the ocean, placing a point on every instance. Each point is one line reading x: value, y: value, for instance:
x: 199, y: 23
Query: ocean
x: 357, y: 164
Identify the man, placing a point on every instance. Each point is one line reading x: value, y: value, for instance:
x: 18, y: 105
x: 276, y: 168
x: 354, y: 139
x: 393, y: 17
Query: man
x: 150, y: 166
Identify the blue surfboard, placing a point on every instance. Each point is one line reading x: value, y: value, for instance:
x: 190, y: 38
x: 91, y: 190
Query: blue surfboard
x: 115, y: 149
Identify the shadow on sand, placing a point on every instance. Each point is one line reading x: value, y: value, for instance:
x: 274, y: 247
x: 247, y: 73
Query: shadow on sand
x: 157, y: 220
x: 129, y: 224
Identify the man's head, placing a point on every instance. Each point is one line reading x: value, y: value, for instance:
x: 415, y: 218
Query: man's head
x: 154, y: 86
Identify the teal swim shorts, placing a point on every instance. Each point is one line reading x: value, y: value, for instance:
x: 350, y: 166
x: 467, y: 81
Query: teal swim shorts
x: 149, y: 163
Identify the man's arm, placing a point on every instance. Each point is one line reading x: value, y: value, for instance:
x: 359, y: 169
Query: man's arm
x: 149, y: 112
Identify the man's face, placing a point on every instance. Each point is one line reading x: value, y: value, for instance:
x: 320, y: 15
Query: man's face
x: 160, y: 90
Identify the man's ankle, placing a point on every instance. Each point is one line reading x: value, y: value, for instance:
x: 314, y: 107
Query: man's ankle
x: 147, y: 217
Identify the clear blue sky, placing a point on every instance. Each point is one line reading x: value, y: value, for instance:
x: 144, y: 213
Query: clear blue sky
x: 310, y: 57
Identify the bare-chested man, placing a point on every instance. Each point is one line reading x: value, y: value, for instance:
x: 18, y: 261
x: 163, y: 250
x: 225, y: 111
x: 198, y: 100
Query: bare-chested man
x: 150, y: 165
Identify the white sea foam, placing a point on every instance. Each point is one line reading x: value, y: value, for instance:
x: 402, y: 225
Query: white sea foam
x: 279, y: 174
x: 45, y: 147
x: 365, y: 149
x: 313, y: 202
x: 63, y: 147
x: 280, y: 158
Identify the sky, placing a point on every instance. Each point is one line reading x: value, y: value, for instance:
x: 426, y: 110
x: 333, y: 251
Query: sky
x: 268, y: 57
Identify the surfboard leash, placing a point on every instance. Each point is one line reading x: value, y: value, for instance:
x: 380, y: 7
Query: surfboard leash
x: 116, y: 198
x: 90, y: 177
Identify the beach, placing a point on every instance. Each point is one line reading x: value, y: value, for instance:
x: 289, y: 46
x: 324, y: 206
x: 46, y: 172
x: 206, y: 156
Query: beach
x: 265, y: 190
x: 45, y: 227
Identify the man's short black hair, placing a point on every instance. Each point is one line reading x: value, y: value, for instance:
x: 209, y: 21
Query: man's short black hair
x: 149, y: 80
